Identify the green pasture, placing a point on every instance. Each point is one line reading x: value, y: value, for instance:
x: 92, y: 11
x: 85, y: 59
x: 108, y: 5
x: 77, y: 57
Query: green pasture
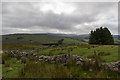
x: 71, y: 41
x: 107, y: 53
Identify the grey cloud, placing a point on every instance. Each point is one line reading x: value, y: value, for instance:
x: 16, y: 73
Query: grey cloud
x: 26, y: 16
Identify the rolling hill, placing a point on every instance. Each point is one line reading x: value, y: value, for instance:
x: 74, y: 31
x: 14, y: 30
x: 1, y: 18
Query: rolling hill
x: 46, y: 38
x: 37, y: 38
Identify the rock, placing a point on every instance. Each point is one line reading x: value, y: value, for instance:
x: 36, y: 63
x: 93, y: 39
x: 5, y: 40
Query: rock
x: 45, y: 57
x: 74, y: 57
x: 115, y: 69
x: 90, y: 59
x: 46, y: 60
x: 34, y: 54
x: 11, y: 53
x: 52, y: 59
x: 78, y: 63
x: 79, y: 59
x: 40, y: 59
x: 90, y: 70
x: 112, y: 66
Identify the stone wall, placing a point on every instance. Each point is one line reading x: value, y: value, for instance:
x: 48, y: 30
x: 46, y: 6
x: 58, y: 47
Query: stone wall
x: 63, y: 58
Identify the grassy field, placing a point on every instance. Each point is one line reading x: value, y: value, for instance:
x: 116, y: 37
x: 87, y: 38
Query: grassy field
x: 20, y: 46
x: 11, y: 68
x: 107, y: 53
x: 15, y: 68
x: 70, y: 41
x: 36, y: 39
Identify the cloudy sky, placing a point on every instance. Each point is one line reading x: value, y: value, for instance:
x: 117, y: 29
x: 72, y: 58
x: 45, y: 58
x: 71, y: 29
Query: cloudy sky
x: 58, y: 17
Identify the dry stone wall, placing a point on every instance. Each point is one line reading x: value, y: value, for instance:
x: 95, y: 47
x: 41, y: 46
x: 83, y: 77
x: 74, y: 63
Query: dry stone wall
x: 63, y: 58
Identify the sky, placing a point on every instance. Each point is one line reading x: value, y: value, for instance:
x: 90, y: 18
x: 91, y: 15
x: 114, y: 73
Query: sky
x: 58, y: 17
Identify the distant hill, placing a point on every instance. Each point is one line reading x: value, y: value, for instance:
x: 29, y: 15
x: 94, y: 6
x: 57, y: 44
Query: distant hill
x: 45, y: 38
x: 116, y: 39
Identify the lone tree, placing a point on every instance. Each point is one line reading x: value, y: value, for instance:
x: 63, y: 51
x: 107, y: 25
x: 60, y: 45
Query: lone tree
x: 101, y: 36
x: 60, y: 41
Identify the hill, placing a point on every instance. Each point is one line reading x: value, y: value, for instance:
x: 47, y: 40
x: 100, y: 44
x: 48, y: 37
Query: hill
x: 45, y: 38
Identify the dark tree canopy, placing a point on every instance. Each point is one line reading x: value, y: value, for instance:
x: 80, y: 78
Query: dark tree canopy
x: 60, y: 41
x: 101, y: 36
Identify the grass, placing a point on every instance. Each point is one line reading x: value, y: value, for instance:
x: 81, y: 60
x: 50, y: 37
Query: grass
x: 70, y: 41
x: 12, y: 70
x: 24, y: 68
x: 10, y: 66
x: 109, y: 52
x: 20, y: 46
x: 36, y: 39
x: 29, y: 39
x: 111, y: 49
x: 33, y: 69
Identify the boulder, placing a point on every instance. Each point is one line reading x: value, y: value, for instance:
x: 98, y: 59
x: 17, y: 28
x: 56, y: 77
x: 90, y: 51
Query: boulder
x: 40, y: 59
x: 78, y: 63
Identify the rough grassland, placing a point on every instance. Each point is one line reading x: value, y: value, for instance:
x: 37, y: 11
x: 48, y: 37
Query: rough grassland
x: 14, y: 68
x: 36, y: 39
x: 108, y: 53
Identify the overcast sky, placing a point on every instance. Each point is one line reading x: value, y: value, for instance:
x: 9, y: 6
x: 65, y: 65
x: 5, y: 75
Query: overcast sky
x: 58, y: 17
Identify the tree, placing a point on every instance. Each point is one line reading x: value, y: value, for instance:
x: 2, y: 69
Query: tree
x: 101, y: 36
x: 60, y: 41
